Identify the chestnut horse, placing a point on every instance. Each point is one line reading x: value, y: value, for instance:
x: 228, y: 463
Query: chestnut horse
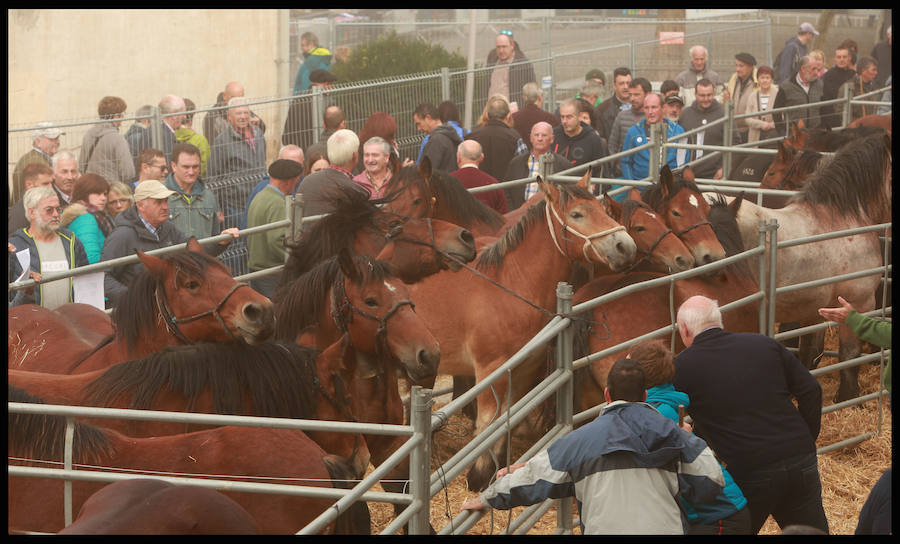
x: 483, y: 317
x: 789, y: 171
x: 648, y: 310
x: 658, y: 248
x: 183, y: 297
x: 155, y: 507
x: 81, y: 327
x: 252, y: 454
x: 414, y: 247
x: 852, y: 190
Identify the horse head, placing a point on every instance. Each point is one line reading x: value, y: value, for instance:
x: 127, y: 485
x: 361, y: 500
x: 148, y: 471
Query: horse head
x: 574, y: 211
x: 200, y: 301
x: 775, y: 173
x: 417, y: 248
x: 410, y: 193
x: 684, y: 210
x: 660, y: 250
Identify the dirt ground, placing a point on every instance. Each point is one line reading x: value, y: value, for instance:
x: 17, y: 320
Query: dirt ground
x: 847, y: 475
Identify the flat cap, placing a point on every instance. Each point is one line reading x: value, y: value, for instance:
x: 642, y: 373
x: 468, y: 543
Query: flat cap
x: 285, y: 169
x: 674, y: 99
x: 596, y: 73
x: 746, y: 58
x: 806, y: 27
x: 47, y: 130
x: 322, y: 76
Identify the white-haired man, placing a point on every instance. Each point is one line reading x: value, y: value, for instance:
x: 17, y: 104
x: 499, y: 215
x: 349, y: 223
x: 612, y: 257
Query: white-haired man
x: 170, y: 104
x: 532, y: 112
x: 699, y: 69
x: 376, y: 162
x: 51, y: 249
x: 65, y: 172
x: 741, y: 387
x: 44, y: 144
x: 343, y: 154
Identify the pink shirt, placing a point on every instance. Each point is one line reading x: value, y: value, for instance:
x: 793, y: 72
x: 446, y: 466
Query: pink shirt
x: 363, y: 179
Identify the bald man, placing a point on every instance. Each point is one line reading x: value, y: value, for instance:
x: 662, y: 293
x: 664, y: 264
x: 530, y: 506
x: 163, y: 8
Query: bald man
x: 525, y: 165
x: 468, y: 157
x: 216, y: 121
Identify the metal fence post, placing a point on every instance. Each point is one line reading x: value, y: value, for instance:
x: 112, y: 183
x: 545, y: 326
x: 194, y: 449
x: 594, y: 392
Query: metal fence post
x: 294, y: 213
x: 155, y: 128
x: 565, y: 395
x: 773, y: 263
x: 546, y: 50
x: 763, y: 230
x: 317, y: 111
x: 445, y: 83
x: 631, y: 45
x: 419, y: 460
x: 769, y: 43
x: 845, y: 115
x: 728, y: 138
x: 67, y: 465
x: 655, y: 151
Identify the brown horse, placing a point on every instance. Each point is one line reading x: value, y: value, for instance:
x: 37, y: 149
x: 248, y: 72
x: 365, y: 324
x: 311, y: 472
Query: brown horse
x: 657, y: 246
x: 439, y: 195
x: 250, y: 454
x: 414, y: 247
x: 155, y: 507
x: 684, y: 210
x: 823, y: 139
x: 180, y: 298
x: 31, y: 329
x: 482, y: 317
x: 874, y: 121
x: 648, y: 310
x: 789, y: 171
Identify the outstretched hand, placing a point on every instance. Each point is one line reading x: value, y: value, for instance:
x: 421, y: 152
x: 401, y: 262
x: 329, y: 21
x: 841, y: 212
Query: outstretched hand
x: 475, y: 503
x: 838, y: 315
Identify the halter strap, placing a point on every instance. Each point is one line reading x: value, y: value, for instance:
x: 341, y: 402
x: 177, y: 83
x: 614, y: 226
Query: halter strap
x: 692, y: 227
x: 587, y: 238
x: 647, y: 253
x: 172, y: 321
x: 342, y: 319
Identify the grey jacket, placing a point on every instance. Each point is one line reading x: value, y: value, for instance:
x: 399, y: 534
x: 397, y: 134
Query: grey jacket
x: 232, y: 157
x: 315, y: 189
x: 105, y: 152
x: 693, y: 117
x: 790, y: 93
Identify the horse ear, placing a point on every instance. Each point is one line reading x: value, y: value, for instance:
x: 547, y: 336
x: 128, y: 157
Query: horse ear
x: 425, y: 169
x: 635, y: 194
x: 736, y: 203
x: 551, y: 193
x: 585, y: 181
x: 666, y: 179
x: 194, y: 245
x: 687, y: 173
x: 613, y: 208
x: 155, y: 266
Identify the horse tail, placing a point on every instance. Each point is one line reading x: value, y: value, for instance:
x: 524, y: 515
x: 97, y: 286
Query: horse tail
x: 356, y: 520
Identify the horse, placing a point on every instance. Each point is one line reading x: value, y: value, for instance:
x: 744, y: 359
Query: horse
x: 437, y: 194
x: 155, y: 507
x: 874, y: 120
x: 684, y: 210
x: 657, y: 246
x: 482, y: 316
x: 183, y: 297
x: 852, y: 190
x: 823, y: 139
x: 251, y: 454
x: 278, y: 379
x: 414, y: 247
x: 648, y: 310
x: 79, y: 326
x: 789, y: 171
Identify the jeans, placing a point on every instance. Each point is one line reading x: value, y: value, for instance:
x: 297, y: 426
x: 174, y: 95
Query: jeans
x: 789, y: 489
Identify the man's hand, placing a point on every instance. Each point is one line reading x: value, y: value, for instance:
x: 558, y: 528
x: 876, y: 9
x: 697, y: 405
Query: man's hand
x: 10, y: 248
x: 718, y: 174
x: 838, y: 315
x: 687, y: 427
x: 407, y: 162
x: 509, y: 470
x: 726, y: 96
x: 254, y: 120
x: 233, y: 231
x: 475, y: 503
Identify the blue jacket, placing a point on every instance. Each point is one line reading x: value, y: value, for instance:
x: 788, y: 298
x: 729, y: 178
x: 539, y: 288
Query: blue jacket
x: 318, y: 59
x: 625, y: 468
x: 637, y: 166
x: 75, y: 256
x: 666, y: 399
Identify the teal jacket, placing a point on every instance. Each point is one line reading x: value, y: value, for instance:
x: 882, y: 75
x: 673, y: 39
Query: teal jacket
x: 318, y: 59
x: 195, y: 214
x: 75, y: 256
x: 875, y: 332
x: 730, y: 500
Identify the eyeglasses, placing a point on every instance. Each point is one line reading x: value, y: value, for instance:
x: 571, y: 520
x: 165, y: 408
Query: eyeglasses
x: 49, y: 210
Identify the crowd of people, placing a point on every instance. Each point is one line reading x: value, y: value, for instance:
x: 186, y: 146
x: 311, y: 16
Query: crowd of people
x: 121, y: 194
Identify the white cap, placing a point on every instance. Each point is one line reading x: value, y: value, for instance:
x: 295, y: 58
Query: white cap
x: 47, y: 130
x: 806, y: 27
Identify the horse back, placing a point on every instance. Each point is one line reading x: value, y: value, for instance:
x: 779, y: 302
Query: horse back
x: 41, y: 340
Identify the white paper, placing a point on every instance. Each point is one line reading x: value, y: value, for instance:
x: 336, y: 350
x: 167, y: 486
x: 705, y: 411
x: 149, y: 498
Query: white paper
x: 24, y: 258
x: 89, y: 289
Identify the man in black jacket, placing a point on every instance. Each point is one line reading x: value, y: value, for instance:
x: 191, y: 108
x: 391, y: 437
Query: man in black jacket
x: 442, y: 140
x: 804, y: 87
x: 525, y: 165
x: 704, y: 111
x: 576, y: 140
x: 831, y: 83
x: 498, y: 140
x: 741, y: 387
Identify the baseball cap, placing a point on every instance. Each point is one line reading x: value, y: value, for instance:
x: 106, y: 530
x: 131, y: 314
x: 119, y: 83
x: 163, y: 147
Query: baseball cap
x: 151, y: 189
x: 595, y: 74
x: 806, y: 27
x: 322, y: 76
x: 674, y: 98
x: 47, y: 130
x: 285, y: 169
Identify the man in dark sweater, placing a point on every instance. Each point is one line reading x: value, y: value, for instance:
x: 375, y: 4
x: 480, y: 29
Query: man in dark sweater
x: 498, y: 140
x: 741, y: 388
x: 704, y: 111
x: 442, y: 139
x: 804, y: 87
x: 574, y: 139
x: 836, y: 76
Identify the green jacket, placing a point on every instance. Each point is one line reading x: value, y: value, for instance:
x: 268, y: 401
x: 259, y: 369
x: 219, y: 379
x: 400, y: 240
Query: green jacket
x: 195, y: 214
x: 875, y: 332
x: 190, y: 136
x: 266, y: 249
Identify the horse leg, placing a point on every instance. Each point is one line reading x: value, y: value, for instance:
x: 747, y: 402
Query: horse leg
x: 461, y: 384
x: 812, y: 346
x: 849, y: 349
x: 396, y: 479
x: 482, y: 472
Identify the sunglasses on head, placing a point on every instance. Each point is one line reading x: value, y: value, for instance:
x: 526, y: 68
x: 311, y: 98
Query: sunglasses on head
x: 507, y: 32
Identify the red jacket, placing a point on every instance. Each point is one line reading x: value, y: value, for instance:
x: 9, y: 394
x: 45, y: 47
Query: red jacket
x: 473, y: 177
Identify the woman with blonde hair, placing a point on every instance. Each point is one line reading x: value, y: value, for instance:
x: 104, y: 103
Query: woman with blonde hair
x: 119, y: 199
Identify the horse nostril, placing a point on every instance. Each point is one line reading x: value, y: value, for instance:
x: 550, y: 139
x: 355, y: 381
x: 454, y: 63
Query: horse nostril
x: 429, y: 360
x: 708, y: 259
x: 253, y: 312
x: 621, y: 248
x: 467, y: 238
x: 681, y: 262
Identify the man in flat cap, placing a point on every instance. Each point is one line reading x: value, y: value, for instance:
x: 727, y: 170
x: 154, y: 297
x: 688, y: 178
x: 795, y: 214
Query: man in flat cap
x: 267, y: 248
x: 672, y: 106
x: 787, y: 63
x: 45, y: 144
x: 740, y: 87
x: 144, y: 226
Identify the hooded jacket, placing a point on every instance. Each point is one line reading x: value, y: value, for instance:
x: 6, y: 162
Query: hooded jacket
x: 441, y: 148
x: 584, y: 147
x: 318, y: 59
x: 86, y: 227
x: 75, y: 256
x: 105, y: 152
x: 788, y: 61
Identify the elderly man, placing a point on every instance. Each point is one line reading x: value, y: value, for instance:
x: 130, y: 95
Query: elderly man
x: 239, y: 151
x: 804, y: 87
x: 266, y: 249
x: 787, y: 63
x: 170, y: 104
x: 65, y: 172
x: 672, y: 106
x: 215, y: 121
x: 498, y: 139
x: 505, y: 79
x: 469, y: 156
x: 34, y: 175
x: 138, y: 134
x: 636, y: 166
x: 698, y: 70
x: 703, y: 111
x: 832, y: 81
x: 442, y: 139
x: 620, y: 100
x: 343, y: 154
x: 775, y: 465
x: 193, y: 207
x: 104, y: 151
x: 51, y: 248
x: 377, y: 172
x: 739, y: 88
x: 864, y: 81
x: 45, y: 144
x: 144, y: 226
x: 532, y: 112
x: 526, y: 165
x: 289, y: 152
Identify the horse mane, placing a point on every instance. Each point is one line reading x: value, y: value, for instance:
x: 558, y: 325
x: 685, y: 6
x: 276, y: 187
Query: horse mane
x: 723, y: 221
x: 136, y: 311
x: 279, y: 378
x: 852, y: 184
x: 654, y: 198
x: 804, y: 163
x: 492, y: 255
x: 351, y: 212
x: 40, y: 436
x: 302, y: 301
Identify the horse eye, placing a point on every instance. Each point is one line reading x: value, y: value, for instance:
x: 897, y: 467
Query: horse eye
x: 371, y: 302
x: 193, y: 284
x: 417, y: 201
x: 639, y: 229
x: 576, y: 215
x: 675, y: 213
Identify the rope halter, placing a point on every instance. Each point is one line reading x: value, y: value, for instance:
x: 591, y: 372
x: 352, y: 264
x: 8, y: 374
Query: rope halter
x: 587, y: 239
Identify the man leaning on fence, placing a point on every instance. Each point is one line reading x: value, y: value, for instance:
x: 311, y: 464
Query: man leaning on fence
x: 702, y: 112
x: 804, y: 87
x: 527, y: 165
x: 626, y: 468
x: 144, y: 226
x: 636, y: 166
x: 44, y: 144
x: 193, y: 207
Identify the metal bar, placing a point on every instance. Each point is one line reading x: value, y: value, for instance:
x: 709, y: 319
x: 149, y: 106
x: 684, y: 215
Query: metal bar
x: 850, y: 363
x: 831, y: 235
x: 565, y: 394
x: 845, y: 443
x: 67, y: 465
x: 852, y: 402
x: 763, y: 230
x: 404, y: 517
x: 773, y: 250
x: 828, y: 281
x: 420, y: 459
x: 728, y: 135
x: 820, y: 326
x: 525, y: 520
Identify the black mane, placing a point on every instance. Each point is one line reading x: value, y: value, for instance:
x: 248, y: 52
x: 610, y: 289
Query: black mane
x: 724, y: 223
